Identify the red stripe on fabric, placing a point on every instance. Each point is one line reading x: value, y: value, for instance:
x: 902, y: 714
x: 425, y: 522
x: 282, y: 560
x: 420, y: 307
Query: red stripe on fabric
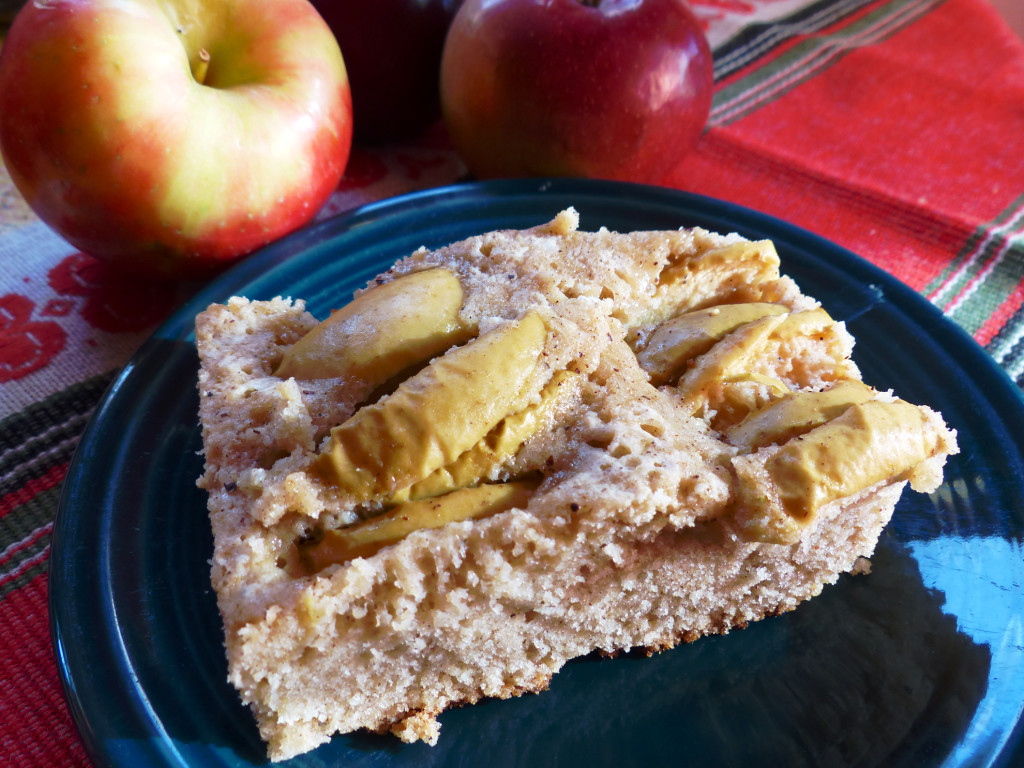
x: 35, y: 724
x: 786, y: 46
x: 28, y: 541
x: 854, y: 153
x: 971, y: 284
x: 878, y: 100
x: 999, y: 318
x: 907, y: 241
x: 38, y: 557
x: 984, y: 256
x: 50, y: 479
x: 810, y: 61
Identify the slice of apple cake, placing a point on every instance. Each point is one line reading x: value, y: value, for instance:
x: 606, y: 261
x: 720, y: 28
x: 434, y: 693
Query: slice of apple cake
x: 524, y: 447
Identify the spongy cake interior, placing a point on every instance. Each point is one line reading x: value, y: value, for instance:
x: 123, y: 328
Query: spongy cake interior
x: 628, y: 542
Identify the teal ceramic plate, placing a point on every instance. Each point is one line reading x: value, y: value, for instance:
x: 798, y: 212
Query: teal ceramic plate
x: 920, y: 663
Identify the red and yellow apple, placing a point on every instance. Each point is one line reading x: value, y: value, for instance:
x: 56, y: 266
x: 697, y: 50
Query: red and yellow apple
x: 615, y: 89
x: 392, y: 51
x: 173, y: 136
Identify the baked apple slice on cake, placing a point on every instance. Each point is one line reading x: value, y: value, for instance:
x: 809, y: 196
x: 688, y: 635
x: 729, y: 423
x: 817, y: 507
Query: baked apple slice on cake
x: 524, y: 447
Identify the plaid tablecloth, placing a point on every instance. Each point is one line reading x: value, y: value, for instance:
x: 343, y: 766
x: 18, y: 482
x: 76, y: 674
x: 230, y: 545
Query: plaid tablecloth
x: 892, y: 127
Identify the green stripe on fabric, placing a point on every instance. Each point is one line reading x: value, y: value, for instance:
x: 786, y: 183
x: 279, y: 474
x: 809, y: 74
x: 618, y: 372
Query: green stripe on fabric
x: 45, y: 434
x: 1005, y: 344
x: 26, y: 518
x: 27, y: 555
x: 970, y: 245
x: 1010, y: 354
x: 993, y: 290
x: 47, y: 438
x: 36, y: 466
x: 35, y: 420
x: 806, y: 59
x: 37, y: 568
x: 960, y: 269
x: 1005, y: 348
x: 760, y: 39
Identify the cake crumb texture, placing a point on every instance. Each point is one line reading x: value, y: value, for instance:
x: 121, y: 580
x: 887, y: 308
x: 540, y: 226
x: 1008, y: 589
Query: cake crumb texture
x: 673, y: 440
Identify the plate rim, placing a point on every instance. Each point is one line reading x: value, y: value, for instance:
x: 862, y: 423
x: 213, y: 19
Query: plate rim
x: 275, y: 253
x: 262, y: 263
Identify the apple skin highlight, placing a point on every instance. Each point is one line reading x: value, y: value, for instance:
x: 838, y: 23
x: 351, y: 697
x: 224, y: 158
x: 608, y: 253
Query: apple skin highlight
x: 114, y: 144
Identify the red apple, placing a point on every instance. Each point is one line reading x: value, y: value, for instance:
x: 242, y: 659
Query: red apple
x: 616, y: 89
x: 173, y: 136
x: 392, y: 50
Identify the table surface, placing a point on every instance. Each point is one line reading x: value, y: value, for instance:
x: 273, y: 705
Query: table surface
x: 894, y: 128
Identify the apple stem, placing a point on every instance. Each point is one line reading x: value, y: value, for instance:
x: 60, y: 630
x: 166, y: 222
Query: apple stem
x: 201, y: 67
